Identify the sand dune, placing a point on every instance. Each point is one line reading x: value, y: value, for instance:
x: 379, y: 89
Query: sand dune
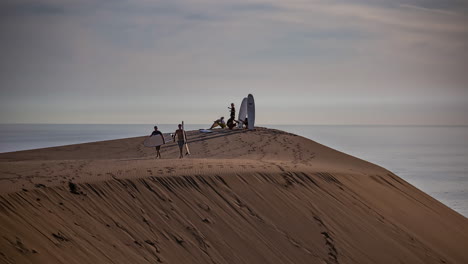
x: 261, y: 196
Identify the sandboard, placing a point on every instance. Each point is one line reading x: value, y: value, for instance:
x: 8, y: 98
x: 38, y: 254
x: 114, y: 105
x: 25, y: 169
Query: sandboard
x: 185, y: 139
x: 242, y: 113
x: 251, y: 111
x: 154, y: 141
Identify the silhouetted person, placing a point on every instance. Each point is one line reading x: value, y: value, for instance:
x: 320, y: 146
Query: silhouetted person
x: 181, y: 137
x: 156, y: 132
x: 231, y: 123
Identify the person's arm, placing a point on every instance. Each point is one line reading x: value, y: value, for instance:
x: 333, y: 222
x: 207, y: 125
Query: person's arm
x: 164, y: 141
x: 185, y: 134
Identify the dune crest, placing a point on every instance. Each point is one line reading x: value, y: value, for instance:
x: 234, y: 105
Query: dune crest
x: 263, y: 196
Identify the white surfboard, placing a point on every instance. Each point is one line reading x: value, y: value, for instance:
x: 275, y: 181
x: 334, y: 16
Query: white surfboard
x: 251, y: 111
x: 242, y: 113
x: 185, y: 139
x: 153, y: 141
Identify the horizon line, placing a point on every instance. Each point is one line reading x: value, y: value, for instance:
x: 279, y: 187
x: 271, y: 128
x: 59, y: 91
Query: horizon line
x: 260, y: 125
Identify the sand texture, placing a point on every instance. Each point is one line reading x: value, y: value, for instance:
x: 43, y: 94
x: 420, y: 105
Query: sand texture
x: 261, y: 196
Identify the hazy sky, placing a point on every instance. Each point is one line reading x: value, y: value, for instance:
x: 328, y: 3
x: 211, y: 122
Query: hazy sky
x: 305, y: 61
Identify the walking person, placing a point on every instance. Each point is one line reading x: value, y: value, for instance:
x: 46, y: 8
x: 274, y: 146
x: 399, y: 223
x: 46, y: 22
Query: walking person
x: 180, y: 136
x: 157, y: 133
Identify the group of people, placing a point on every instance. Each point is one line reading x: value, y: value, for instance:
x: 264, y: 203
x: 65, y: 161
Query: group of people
x: 231, y: 123
x: 179, y: 134
x: 181, y: 137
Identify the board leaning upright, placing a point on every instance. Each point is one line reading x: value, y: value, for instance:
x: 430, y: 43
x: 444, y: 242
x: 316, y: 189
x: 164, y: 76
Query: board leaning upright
x: 251, y: 112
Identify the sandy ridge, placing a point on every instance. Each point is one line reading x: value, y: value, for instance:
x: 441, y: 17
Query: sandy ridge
x: 262, y: 196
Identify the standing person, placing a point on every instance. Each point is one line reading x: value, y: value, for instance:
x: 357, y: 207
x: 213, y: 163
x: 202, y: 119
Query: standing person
x: 231, y: 122
x: 156, y: 132
x: 233, y: 111
x: 181, y: 136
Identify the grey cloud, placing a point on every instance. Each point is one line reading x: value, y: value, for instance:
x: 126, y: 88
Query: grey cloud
x: 27, y: 9
x: 448, y: 5
x: 309, y: 57
x: 254, y: 7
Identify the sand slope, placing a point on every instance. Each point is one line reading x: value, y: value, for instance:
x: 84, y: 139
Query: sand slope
x: 262, y: 196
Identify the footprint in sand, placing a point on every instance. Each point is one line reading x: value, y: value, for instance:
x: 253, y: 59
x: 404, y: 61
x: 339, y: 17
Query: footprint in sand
x: 169, y: 169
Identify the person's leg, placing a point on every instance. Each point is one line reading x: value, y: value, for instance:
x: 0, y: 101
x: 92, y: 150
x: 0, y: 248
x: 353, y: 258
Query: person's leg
x: 181, y: 146
x: 158, y: 153
x: 215, y: 124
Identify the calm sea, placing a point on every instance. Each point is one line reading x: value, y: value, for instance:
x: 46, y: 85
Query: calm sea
x: 433, y: 158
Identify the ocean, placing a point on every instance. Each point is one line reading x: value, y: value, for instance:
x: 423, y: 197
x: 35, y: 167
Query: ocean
x: 432, y: 158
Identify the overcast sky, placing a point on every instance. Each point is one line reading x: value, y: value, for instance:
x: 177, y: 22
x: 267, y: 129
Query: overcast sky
x: 305, y: 61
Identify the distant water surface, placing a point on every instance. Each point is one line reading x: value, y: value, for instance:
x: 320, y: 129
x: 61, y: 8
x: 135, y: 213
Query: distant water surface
x: 14, y: 137
x: 433, y: 158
